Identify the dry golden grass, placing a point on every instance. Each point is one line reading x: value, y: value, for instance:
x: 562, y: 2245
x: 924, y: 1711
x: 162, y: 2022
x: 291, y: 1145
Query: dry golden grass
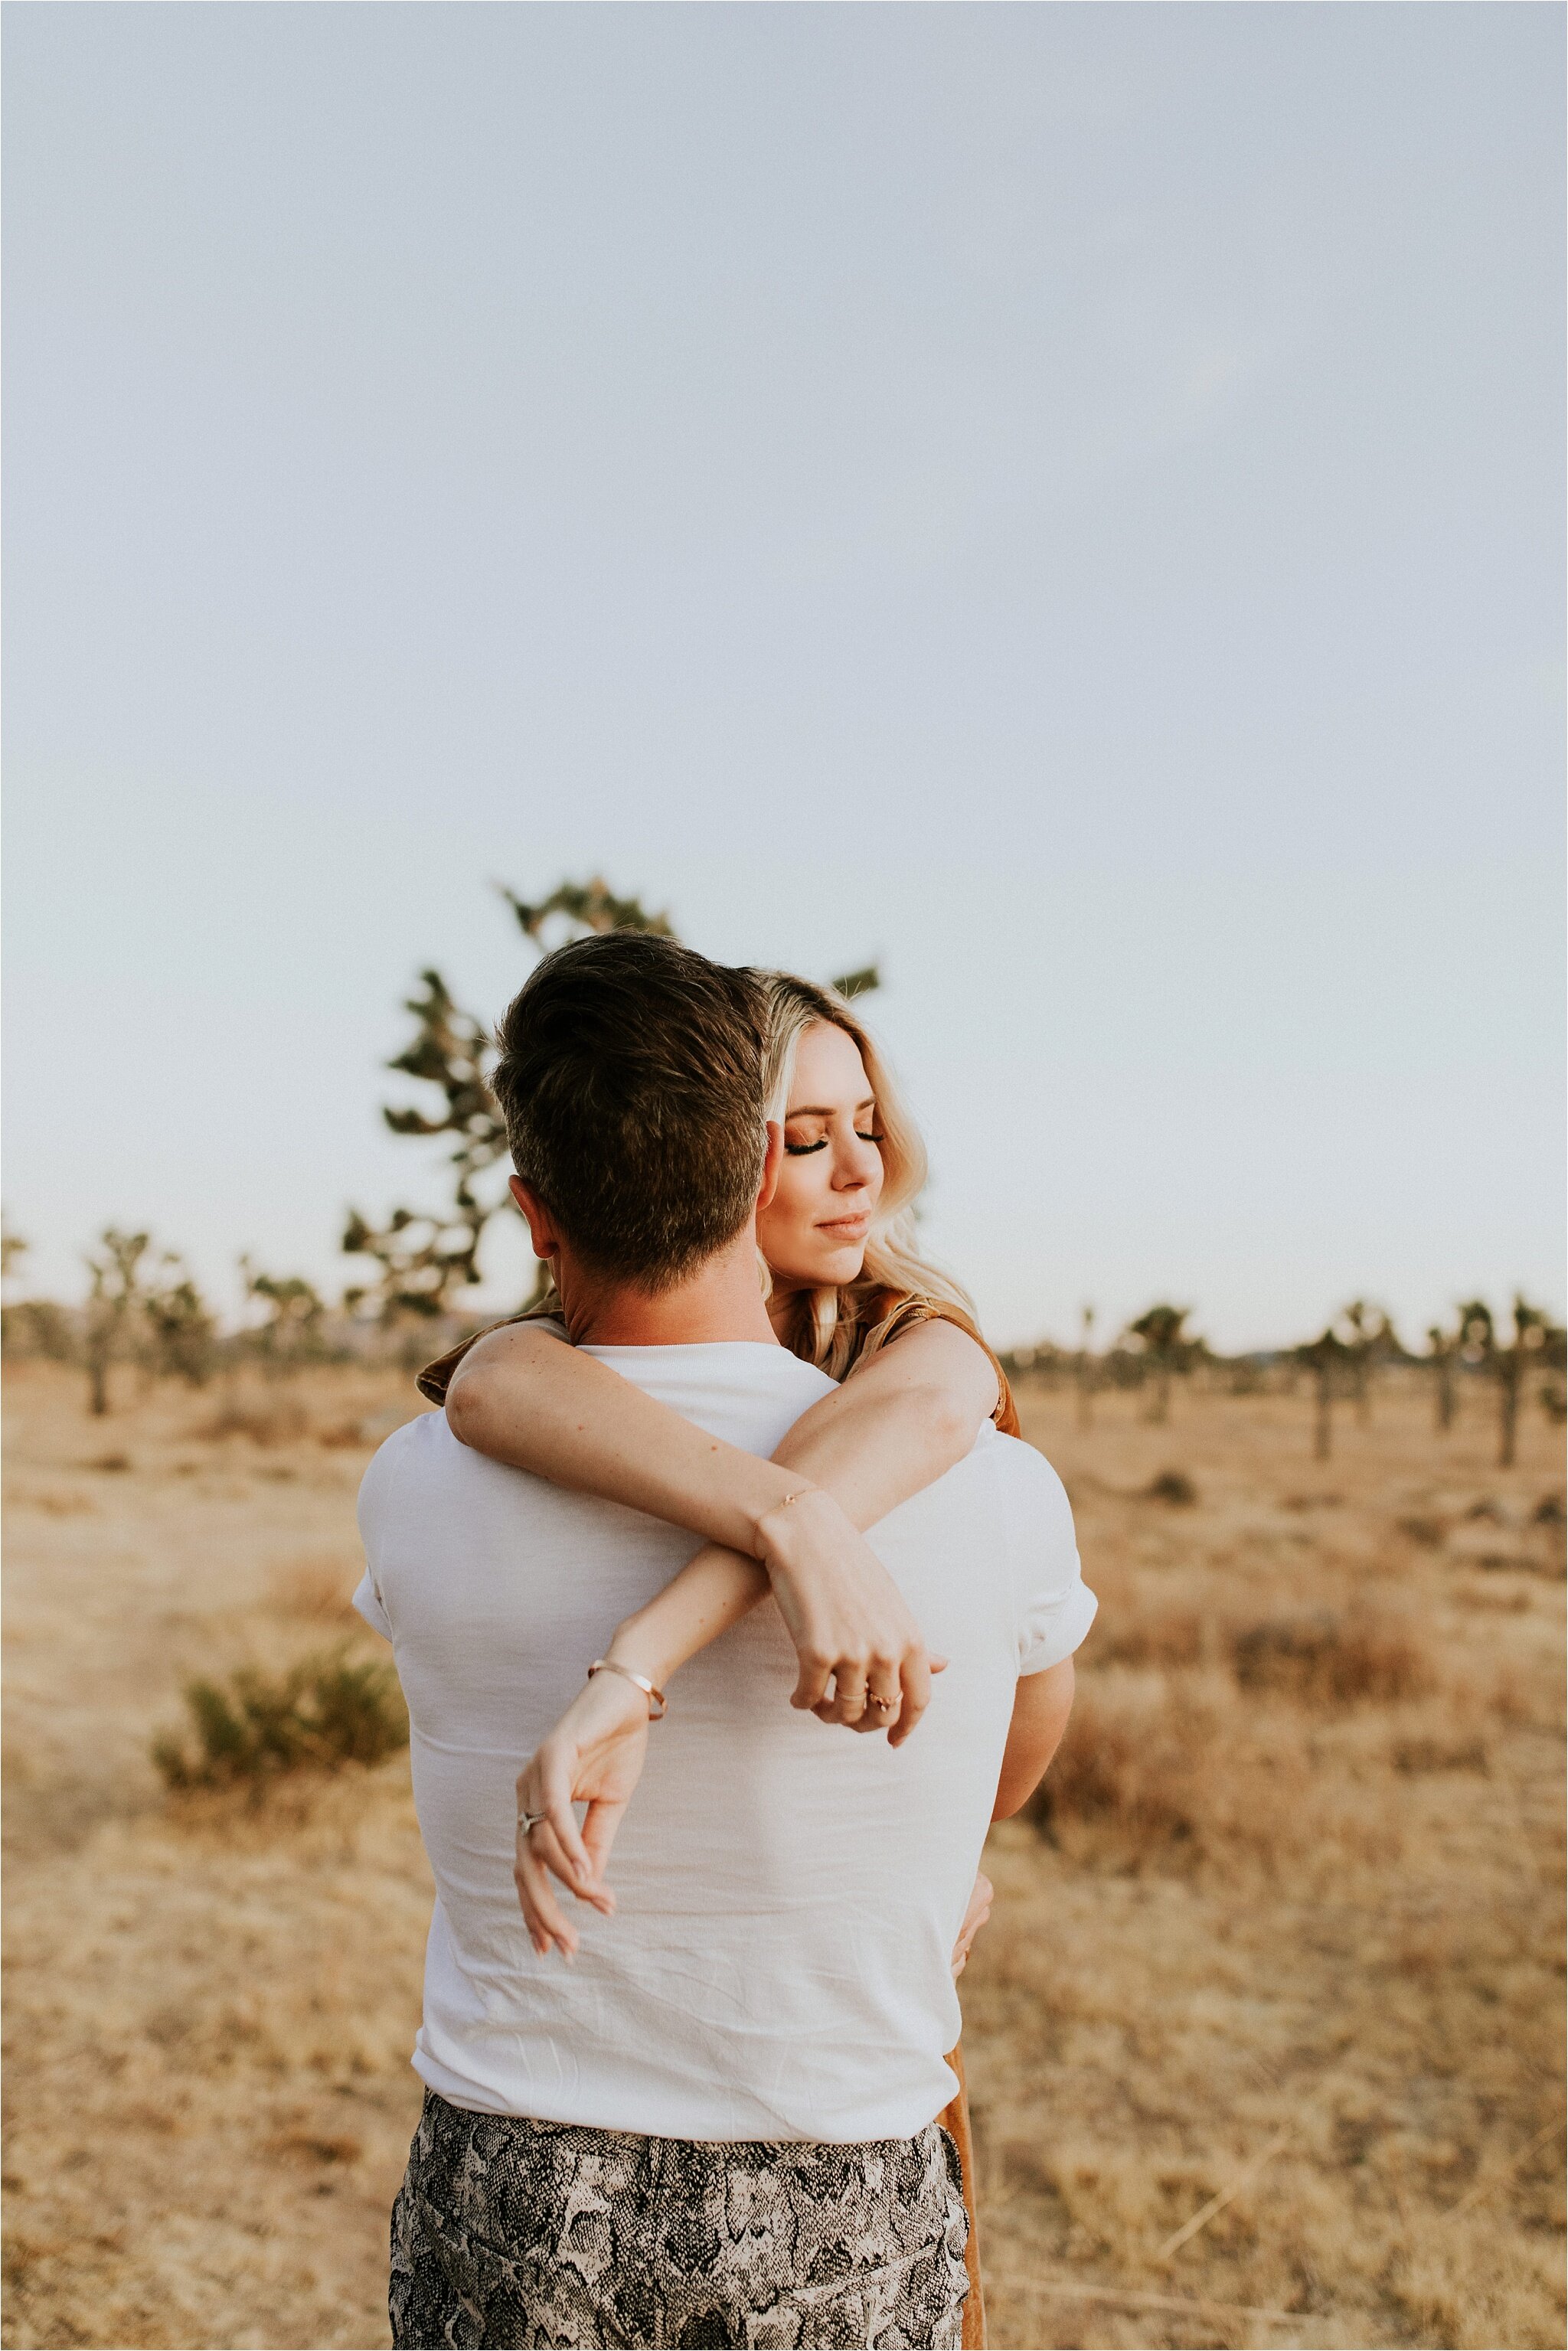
x: 1296, y: 1918
x: 1286, y: 1924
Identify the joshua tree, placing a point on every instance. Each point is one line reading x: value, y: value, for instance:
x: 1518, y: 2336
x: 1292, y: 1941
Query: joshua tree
x: 427, y: 1257
x: 12, y: 1247
x: 858, y: 983
x: 587, y: 906
x: 181, y: 1327
x: 1323, y: 1357
x: 114, y: 1299
x: 1083, y: 1369
x: 1443, y: 1348
x: 1166, y: 1347
x: 289, y: 1334
x: 1532, y: 1333
x: 1368, y: 1337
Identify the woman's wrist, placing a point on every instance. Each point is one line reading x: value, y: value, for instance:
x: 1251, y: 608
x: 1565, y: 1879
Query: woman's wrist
x: 712, y: 1592
x: 792, y: 1530
x: 637, y: 1649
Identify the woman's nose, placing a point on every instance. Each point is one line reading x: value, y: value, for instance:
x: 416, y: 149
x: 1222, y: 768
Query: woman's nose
x: 853, y: 1170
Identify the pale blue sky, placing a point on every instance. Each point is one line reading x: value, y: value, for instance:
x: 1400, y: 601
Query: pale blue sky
x: 1068, y: 496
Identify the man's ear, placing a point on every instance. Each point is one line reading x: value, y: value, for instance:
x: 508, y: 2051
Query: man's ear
x: 771, y: 1164
x: 541, y: 1223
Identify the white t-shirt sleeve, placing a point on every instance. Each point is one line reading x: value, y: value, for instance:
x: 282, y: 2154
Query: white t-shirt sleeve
x: 372, y: 1515
x: 1055, y: 1606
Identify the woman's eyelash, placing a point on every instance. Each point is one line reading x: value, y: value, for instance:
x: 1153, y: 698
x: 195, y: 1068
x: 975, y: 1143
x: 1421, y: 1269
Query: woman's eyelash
x: 804, y: 1150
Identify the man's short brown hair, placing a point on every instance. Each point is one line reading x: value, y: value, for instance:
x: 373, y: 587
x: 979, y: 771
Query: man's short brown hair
x: 630, y: 1079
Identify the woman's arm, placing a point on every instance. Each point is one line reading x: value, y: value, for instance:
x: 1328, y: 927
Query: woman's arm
x: 858, y: 1437
x: 903, y: 1417
x: 523, y: 1395
x: 899, y: 1421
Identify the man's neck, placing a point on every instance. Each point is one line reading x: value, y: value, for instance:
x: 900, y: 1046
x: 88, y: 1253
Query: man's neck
x: 722, y: 1300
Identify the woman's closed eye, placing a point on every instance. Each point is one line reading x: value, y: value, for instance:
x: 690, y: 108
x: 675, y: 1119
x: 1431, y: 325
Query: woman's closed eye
x: 801, y: 1150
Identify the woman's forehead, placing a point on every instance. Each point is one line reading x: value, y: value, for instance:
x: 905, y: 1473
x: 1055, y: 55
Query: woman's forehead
x: 828, y: 1068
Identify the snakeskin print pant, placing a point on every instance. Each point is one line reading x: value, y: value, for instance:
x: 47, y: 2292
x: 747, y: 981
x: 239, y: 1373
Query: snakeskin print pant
x: 510, y: 2232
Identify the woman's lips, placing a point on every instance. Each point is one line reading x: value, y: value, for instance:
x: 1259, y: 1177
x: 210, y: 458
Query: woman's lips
x: 846, y: 1228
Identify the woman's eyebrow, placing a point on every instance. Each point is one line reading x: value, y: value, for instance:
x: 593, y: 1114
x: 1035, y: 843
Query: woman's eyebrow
x: 825, y: 1110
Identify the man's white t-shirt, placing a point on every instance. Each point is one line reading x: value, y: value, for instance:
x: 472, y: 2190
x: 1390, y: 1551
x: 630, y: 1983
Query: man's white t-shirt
x: 788, y: 1892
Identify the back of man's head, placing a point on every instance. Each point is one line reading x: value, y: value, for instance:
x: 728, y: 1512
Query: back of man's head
x: 630, y: 1079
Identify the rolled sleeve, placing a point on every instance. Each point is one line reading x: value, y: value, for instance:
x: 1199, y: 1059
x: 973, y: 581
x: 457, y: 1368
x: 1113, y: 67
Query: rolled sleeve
x: 1054, y: 1627
x: 1055, y: 1606
x: 368, y: 1601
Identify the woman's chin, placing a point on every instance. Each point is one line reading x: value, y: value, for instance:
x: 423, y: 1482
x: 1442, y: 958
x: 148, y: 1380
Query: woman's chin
x: 821, y: 1269
x: 838, y: 1266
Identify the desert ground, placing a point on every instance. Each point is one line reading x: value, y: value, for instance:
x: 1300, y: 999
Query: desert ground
x: 1279, y: 1955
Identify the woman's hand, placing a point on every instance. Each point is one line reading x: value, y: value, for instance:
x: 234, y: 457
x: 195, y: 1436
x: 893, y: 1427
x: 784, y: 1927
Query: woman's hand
x: 847, y: 1618
x: 975, y: 1918
x: 594, y: 1754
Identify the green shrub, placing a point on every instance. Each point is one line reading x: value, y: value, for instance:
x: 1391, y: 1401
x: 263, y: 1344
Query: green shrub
x: 1173, y: 1487
x: 324, y: 1712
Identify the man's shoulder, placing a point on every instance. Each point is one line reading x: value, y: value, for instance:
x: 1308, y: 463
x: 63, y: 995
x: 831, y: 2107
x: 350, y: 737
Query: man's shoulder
x: 1015, y: 1475
x: 424, y: 1447
x: 1013, y: 1457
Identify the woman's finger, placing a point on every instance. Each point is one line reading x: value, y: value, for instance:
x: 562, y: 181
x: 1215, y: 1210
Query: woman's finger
x: 542, y: 1912
x: 849, y: 1696
x: 604, y: 1818
x: 883, y: 1700
x: 816, y: 1670
x: 545, y: 1786
x: 914, y: 1683
x: 546, y: 1848
x: 554, y: 1778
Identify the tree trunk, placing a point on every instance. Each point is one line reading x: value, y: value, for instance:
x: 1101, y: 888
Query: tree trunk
x: 1160, y: 1411
x: 98, y: 1381
x: 1444, y: 1368
x: 1085, y: 1393
x: 1323, y: 1436
x: 1509, y: 1369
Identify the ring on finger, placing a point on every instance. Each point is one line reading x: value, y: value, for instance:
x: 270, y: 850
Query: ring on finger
x: 883, y: 1705
x: 529, y: 1821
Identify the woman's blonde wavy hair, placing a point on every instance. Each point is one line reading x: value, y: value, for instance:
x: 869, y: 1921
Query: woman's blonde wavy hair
x: 833, y: 1328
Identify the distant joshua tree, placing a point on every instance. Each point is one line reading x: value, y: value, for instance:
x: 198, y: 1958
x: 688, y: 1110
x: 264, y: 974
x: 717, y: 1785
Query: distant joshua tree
x: 1368, y: 1337
x: 12, y: 1248
x: 1533, y: 1334
x: 115, y: 1300
x: 427, y: 1257
x: 1166, y: 1347
x: 1084, y: 1370
x: 289, y: 1334
x: 180, y: 1328
x: 1324, y: 1358
x: 1442, y: 1354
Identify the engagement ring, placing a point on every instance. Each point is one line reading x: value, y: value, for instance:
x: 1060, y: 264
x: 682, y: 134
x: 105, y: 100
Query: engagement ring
x: 526, y: 1821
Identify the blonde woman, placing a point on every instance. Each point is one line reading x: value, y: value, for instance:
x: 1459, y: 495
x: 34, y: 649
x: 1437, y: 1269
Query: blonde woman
x: 848, y: 1290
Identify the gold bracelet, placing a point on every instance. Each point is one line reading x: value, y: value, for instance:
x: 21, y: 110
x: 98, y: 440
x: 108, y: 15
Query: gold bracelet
x: 657, y: 1698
